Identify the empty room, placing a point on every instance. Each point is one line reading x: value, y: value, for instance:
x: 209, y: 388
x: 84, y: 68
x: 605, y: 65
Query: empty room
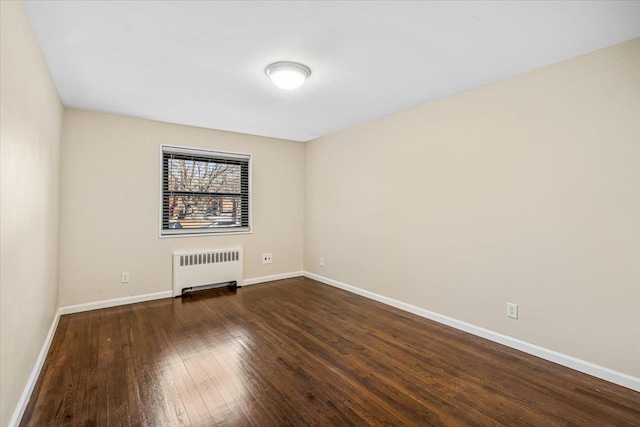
x: 327, y: 213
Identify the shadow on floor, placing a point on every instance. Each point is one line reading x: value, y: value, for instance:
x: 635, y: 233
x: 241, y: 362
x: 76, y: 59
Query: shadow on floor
x: 209, y: 293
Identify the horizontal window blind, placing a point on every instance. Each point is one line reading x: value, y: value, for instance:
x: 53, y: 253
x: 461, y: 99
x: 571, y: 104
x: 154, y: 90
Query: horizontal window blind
x: 204, y: 191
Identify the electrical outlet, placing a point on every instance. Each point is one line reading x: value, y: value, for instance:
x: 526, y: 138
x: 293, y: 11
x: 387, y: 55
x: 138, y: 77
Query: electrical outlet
x: 512, y: 310
x: 125, y: 278
x: 267, y: 258
x: 321, y: 262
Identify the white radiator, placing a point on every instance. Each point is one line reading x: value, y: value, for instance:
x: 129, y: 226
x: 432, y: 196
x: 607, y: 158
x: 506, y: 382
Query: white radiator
x: 193, y: 270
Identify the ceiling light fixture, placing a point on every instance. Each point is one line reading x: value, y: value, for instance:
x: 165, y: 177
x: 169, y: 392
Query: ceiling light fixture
x: 288, y: 75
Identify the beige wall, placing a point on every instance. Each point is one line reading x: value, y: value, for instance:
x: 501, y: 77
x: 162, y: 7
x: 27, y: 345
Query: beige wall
x: 30, y: 136
x: 110, y: 205
x: 527, y: 190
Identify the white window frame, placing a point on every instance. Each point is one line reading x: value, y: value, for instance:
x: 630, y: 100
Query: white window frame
x: 170, y: 233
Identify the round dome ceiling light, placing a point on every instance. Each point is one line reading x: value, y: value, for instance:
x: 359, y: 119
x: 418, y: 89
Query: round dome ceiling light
x: 288, y: 75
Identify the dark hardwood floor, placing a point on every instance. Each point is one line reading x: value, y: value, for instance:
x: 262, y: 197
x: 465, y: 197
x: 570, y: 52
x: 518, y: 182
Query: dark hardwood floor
x: 297, y: 352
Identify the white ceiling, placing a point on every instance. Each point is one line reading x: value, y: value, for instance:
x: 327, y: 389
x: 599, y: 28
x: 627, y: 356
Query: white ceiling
x: 202, y: 63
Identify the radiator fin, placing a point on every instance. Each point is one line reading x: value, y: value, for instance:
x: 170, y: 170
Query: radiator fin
x: 209, y: 258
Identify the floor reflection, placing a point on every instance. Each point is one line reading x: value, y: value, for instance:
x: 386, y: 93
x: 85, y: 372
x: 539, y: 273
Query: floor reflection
x: 202, y: 374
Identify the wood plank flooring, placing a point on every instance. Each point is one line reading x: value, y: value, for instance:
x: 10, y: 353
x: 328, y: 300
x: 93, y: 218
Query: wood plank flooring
x: 297, y: 352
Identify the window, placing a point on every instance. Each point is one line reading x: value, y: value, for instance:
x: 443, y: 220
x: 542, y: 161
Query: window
x: 204, y: 192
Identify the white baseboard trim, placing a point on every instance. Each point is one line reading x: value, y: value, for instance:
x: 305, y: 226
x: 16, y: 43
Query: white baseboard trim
x: 589, y: 368
x: 271, y: 278
x: 35, y: 373
x: 114, y: 302
x: 159, y: 295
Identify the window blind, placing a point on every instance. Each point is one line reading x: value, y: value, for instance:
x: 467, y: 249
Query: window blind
x: 204, y: 191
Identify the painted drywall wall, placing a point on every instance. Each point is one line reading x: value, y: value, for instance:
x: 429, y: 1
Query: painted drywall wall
x: 110, y: 205
x: 523, y: 191
x: 31, y: 138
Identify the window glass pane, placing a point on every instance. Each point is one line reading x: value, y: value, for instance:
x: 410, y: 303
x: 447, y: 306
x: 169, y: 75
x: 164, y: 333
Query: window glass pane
x: 205, y: 211
x: 203, y: 177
